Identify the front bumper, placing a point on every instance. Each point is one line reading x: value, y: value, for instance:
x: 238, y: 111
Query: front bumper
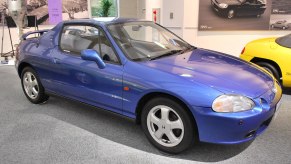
x: 235, y: 128
x: 215, y: 7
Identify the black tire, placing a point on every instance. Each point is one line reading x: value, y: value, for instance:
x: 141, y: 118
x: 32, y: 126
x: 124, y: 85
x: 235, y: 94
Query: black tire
x: 272, y: 26
x: 41, y: 96
x: 189, y: 127
x: 284, y: 28
x: 270, y: 68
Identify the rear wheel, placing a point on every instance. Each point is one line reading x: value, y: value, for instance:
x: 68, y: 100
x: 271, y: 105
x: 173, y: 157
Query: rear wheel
x: 284, y: 28
x: 167, y: 125
x: 230, y: 14
x: 270, y: 68
x: 32, y: 86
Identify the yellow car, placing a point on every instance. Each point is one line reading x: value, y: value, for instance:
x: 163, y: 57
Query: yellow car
x: 272, y: 54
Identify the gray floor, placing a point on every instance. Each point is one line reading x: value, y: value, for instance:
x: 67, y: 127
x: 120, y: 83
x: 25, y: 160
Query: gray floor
x: 62, y: 131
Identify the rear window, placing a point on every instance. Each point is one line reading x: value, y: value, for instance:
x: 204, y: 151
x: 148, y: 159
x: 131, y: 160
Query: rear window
x: 284, y: 41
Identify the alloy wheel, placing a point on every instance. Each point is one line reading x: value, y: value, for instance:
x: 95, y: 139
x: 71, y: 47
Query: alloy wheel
x: 165, y: 126
x: 30, y: 85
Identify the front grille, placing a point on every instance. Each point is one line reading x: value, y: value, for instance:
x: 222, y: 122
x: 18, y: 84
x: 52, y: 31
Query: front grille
x: 262, y: 126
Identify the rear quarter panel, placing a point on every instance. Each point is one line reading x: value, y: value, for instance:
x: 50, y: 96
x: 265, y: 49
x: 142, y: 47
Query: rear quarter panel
x: 37, y: 53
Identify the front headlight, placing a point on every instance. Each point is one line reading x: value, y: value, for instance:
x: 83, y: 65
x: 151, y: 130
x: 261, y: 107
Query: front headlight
x: 223, y: 5
x: 232, y: 103
x: 263, y: 2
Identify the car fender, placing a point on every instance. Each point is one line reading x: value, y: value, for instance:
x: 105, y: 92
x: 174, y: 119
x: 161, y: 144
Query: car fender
x: 189, y: 92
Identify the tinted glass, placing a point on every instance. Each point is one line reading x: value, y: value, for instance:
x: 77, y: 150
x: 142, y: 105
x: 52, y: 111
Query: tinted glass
x: 145, y: 40
x: 76, y: 38
x: 284, y: 41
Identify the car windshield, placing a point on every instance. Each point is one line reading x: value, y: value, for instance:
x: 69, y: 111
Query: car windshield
x: 146, y: 40
x: 284, y: 41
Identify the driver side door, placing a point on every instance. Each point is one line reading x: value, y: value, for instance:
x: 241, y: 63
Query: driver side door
x: 83, y: 80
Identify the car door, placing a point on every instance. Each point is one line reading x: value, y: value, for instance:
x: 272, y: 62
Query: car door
x: 247, y: 8
x: 83, y: 80
x: 279, y: 24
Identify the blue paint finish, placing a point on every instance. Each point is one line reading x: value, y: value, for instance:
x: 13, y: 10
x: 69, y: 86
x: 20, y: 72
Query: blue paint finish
x: 196, y: 78
x: 92, y: 55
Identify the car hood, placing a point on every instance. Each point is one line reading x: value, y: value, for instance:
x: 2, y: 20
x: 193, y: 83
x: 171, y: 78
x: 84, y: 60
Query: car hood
x: 264, y: 42
x: 229, y: 2
x: 222, y: 72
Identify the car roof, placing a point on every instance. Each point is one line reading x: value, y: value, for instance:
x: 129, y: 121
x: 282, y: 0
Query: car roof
x: 105, y: 20
x: 282, y: 21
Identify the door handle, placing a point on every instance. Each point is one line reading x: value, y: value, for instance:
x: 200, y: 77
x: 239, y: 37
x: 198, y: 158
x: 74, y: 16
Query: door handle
x: 56, y: 61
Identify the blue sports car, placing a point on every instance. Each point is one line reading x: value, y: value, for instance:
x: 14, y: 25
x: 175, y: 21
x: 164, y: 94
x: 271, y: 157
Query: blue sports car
x: 178, y: 93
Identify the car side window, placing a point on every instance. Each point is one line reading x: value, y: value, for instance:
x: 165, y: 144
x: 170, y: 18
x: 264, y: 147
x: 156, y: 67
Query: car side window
x: 76, y: 38
x: 105, y: 48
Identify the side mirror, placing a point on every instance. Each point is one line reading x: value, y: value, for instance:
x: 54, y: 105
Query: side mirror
x: 92, y: 55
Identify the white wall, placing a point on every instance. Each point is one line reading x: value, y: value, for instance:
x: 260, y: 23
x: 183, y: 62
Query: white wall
x: 151, y: 4
x: 231, y: 42
x: 176, y: 24
x: 128, y: 8
x: 141, y: 9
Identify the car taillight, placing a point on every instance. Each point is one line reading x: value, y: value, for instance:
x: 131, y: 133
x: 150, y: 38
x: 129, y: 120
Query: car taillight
x: 243, y: 51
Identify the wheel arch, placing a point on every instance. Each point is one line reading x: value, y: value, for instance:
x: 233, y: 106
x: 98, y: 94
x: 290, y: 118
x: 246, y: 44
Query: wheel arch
x: 149, y: 96
x: 22, y: 66
x: 273, y: 63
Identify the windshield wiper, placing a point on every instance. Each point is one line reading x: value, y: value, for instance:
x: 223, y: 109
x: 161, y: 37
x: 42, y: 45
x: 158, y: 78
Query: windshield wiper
x: 166, y: 54
x: 188, y: 49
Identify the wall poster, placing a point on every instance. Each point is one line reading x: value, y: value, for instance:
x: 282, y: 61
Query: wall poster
x: 220, y: 15
x: 281, y: 15
x: 55, y: 11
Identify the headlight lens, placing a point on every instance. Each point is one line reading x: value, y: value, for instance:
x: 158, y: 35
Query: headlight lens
x: 232, y: 103
x: 223, y: 5
x: 263, y: 2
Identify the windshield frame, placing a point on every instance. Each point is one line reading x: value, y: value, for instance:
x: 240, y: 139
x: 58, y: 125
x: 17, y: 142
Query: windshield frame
x: 189, y: 46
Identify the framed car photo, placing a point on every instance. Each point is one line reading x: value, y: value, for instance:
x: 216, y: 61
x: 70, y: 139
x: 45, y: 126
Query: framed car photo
x: 234, y: 15
x: 280, y: 15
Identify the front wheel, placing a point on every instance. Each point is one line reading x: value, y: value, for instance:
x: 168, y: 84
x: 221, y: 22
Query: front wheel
x: 167, y: 125
x: 32, y: 86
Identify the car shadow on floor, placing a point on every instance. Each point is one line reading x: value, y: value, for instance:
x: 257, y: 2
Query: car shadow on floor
x: 124, y: 131
x: 287, y: 91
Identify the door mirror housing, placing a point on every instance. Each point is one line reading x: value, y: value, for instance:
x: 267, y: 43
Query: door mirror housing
x: 92, y: 55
